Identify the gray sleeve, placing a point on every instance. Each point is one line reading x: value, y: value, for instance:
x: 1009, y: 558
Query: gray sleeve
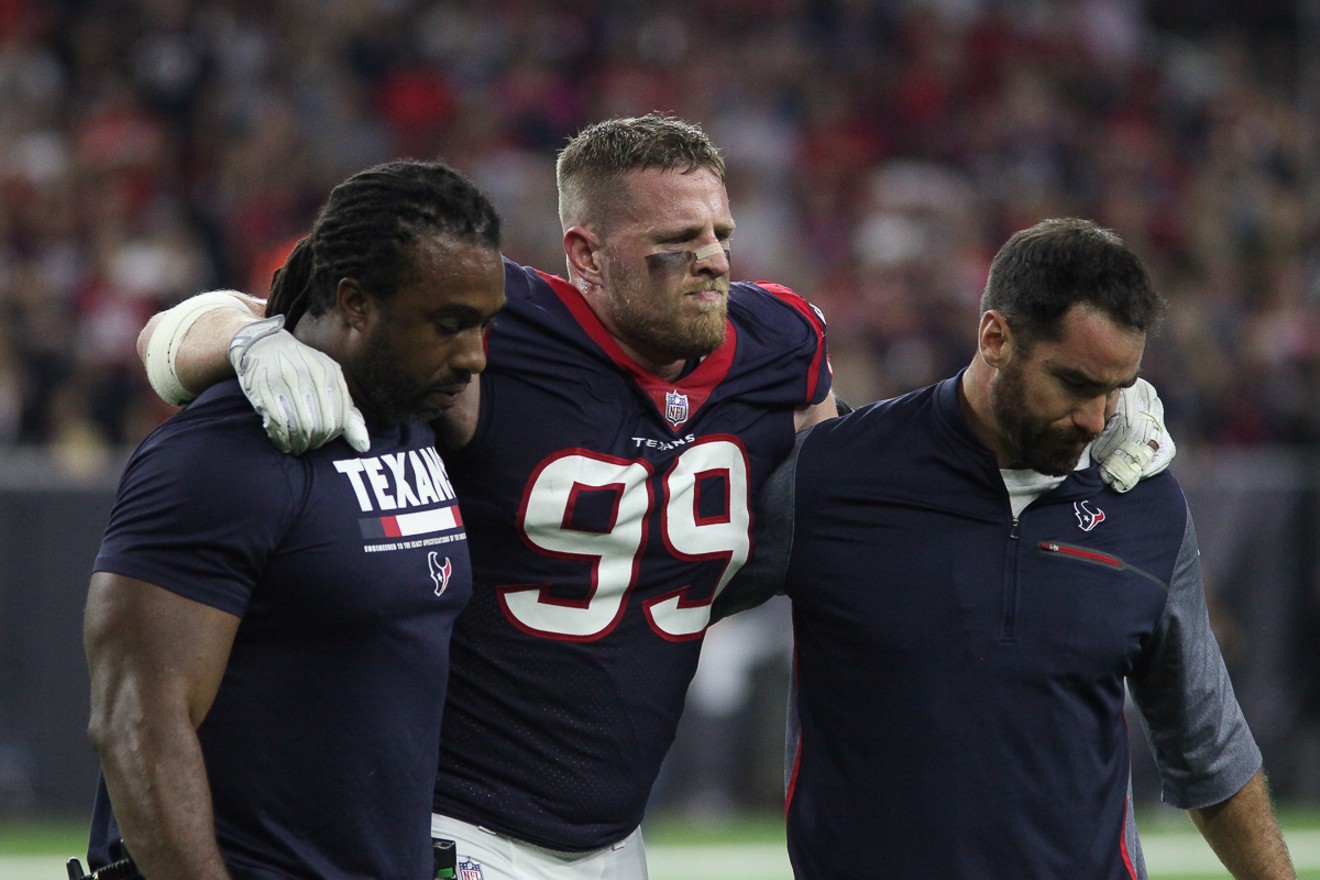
x: 772, y: 542
x: 1203, y: 748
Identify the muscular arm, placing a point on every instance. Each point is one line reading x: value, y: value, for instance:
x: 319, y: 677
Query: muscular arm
x: 202, y: 357
x: 764, y: 574
x: 156, y: 661
x: 1245, y: 835
x: 301, y: 407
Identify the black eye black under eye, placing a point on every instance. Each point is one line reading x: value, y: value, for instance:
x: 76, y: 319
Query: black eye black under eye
x: 669, y: 261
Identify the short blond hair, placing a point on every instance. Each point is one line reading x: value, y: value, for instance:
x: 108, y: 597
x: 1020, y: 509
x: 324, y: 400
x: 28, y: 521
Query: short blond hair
x: 590, y: 168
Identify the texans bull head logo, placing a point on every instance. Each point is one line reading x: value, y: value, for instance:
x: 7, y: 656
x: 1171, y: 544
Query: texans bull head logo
x: 1088, y: 517
x: 440, y: 572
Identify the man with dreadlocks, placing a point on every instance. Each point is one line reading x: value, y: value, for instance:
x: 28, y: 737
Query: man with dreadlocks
x: 268, y: 636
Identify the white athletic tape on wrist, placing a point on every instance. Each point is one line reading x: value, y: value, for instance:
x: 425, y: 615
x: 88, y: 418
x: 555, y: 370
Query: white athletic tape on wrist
x: 1126, y: 466
x: 163, y: 348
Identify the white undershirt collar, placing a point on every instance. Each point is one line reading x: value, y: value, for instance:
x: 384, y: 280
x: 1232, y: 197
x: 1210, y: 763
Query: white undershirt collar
x: 1025, y: 486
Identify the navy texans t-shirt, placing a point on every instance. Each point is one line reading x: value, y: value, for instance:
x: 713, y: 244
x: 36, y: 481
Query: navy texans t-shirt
x: 347, y: 571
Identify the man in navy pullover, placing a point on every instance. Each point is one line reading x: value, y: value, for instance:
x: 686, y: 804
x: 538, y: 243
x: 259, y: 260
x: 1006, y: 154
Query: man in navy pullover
x: 969, y: 600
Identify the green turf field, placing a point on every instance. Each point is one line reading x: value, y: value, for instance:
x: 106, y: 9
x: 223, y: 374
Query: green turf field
x: 752, y: 848
x: 747, y: 848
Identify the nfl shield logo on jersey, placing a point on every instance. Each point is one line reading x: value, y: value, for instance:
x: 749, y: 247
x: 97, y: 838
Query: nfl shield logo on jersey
x: 469, y: 870
x: 676, y: 407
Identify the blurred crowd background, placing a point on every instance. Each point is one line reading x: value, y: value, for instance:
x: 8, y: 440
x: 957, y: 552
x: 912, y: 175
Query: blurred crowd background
x: 880, y: 152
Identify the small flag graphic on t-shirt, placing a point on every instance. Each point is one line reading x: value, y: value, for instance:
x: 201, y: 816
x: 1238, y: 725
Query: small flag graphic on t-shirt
x: 406, y: 525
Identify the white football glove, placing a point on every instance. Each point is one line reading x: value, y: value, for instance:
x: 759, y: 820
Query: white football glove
x: 1134, y: 444
x: 299, y: 391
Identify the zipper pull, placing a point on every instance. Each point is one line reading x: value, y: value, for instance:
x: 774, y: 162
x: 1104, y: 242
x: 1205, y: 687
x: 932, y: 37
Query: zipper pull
x: 1080, y: 553
x: 1013, y: 531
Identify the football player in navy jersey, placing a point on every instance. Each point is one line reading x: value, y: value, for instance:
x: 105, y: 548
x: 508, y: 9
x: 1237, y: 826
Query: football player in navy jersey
x: 970, y: 601
x: 605, y: 465
x: 268, y: 636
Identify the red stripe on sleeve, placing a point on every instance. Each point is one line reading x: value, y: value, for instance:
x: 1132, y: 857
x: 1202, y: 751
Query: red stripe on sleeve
x: 787, y: 296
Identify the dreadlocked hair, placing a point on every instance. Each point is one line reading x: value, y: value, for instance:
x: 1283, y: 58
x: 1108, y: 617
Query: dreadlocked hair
x: 368, y: 230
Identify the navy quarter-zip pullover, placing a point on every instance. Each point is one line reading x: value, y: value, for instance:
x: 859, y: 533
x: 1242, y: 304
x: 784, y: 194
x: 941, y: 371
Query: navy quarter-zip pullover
x: 959, y: 680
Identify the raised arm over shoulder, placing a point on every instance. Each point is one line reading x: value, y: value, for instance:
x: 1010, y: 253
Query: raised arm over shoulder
x: 299, y: 392
x: 1135, y: 443
x: 185, y: 348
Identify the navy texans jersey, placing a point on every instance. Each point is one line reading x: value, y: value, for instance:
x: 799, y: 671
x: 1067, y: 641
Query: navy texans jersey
x: 606, y: 508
